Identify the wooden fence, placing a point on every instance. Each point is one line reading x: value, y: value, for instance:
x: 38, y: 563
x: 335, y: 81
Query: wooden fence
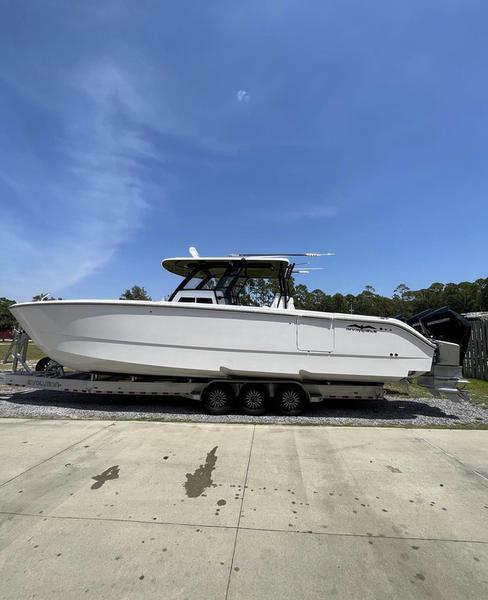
x: 476, y: 359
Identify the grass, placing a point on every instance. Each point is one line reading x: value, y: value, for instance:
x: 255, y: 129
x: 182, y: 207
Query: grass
x: 478, y: 391
x: 408, y: 390
x: 33, y: 354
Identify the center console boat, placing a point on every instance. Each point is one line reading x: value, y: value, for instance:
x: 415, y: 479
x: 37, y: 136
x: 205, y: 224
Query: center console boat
x: 207, y: 328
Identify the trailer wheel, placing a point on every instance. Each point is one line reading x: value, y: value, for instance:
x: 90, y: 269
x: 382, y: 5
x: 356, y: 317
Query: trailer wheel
x: 253, y: 399
x: 42, y: 363
x: 291, y: 400
x: 217, y: 398
x: 50, y: 367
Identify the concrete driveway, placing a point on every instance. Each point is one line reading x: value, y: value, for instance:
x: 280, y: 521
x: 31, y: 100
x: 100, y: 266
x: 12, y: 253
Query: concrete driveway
x: 161, y: 510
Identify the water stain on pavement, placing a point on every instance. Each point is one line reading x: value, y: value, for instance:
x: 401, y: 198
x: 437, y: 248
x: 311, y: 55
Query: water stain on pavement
x: 110, y: 473
x: 393, y: 469
x: 196, y: 483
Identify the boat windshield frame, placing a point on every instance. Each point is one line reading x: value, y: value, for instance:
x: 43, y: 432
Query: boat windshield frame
x: 232, y: 280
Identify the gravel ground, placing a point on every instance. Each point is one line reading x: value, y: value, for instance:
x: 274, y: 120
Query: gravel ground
x: 393, y: 410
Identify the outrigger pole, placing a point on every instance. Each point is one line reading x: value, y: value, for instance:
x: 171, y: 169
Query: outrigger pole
x: 267, y: 254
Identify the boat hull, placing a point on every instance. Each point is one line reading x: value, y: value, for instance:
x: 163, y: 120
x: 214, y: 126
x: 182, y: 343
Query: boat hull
x: 168, y: 339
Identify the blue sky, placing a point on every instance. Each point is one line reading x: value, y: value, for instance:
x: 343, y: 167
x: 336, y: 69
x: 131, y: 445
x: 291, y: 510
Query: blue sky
x: 132, y: 130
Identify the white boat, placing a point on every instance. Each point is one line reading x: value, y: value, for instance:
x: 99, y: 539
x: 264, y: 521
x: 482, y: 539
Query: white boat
x: 204, y: 331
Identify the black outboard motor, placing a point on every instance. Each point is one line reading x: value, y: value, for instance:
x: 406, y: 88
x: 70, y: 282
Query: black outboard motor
x: 443, y: 324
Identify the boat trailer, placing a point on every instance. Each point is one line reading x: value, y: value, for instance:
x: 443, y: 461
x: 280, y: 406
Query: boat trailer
x: 290, y: 396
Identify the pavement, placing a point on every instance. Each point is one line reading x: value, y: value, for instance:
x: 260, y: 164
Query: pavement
x: 102, y: 509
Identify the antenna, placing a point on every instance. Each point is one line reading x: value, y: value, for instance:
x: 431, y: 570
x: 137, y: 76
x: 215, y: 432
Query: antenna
x: 307, y: 271
x: 283, y: 254
x: 193, y: 252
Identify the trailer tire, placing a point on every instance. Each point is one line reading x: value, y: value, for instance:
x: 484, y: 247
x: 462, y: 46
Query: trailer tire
x: 253, y: 399
x: 291, y: 400
x: 218, y: 398
x: 42, y: 364
x: 50, y: 367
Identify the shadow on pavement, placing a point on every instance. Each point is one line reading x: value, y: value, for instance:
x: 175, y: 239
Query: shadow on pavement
x: 387, y: 409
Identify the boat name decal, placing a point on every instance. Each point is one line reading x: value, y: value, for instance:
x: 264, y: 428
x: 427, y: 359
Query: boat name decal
x: 366, y: 328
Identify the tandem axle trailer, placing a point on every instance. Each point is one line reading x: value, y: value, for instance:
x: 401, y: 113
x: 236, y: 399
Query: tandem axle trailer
x: 218, y: 396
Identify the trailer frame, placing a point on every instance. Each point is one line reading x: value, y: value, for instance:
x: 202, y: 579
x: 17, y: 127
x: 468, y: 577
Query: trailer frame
x: 56, y: 379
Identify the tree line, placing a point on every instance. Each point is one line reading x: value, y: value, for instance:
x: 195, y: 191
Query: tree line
x: 462, y: 297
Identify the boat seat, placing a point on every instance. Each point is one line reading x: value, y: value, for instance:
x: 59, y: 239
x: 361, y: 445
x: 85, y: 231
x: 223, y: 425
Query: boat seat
x: 279, y: 302
x: 221, y: 299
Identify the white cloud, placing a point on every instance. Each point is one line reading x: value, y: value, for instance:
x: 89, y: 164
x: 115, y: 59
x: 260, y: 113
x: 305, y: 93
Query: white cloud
x: 84, y: 208
x: 243, y: 96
